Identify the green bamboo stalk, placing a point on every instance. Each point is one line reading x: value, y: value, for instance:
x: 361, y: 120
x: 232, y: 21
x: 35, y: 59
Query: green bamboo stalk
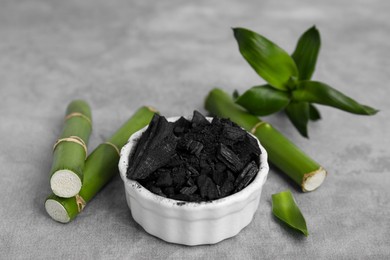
x: 282, y: 153
x: 70, y: 150
x: 100, y: 166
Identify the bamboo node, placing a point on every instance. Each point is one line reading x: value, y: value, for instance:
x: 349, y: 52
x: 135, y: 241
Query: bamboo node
x: 80, y: 203
x: 77, y: 114
x: 253, y: 130
x: 114, y: 146
x: 73, y: 139
x: 152, y: 109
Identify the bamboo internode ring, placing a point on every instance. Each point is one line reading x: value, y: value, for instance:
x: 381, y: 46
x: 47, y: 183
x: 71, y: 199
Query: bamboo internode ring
x: 80, y: 203
x: 152, y: 109
x: 253, y: 130
x: 77, y: 114
x: 113, y: 146
x: 73, y: 139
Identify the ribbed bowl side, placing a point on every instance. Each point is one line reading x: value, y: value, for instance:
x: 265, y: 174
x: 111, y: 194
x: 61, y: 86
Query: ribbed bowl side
x: 170, y: 224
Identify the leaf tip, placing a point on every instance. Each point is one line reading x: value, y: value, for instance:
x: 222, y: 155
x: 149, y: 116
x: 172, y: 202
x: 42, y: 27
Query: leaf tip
x: 370, y: 110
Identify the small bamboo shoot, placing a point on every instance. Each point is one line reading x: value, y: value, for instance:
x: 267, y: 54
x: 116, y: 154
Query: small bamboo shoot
x: 70, y: 150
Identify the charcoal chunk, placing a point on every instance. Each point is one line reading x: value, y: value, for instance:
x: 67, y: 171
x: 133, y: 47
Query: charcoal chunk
x: 227, y: 188
x: 234, y: 133
x: 180, y: 196
x: 188, y: 190
x: 192, y: 146
x: 169, y: 191
x: 220, y: 167
x: 190, y: 182
x: 155, y: 151
x: 142, y: 145
x: 247, y: 174
x: 229, y: 158
x: 199, y: 120
x: 164, y: 179
x: 219, y: 177
x: 192, y: 171
x: 207, y: 188
x: 156, y: 190
x: 155, y: 158
x: 174, y: 161
x: 179, y: 177
x: 181, y: 126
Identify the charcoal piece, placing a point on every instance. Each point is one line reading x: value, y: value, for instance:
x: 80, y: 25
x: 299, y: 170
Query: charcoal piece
x: 164, y: 179
x: 169, y: 191
x: 190, y: 181
x: 155, y: 158
x: 142, y: 144
x: 207, y: 188
x: 234, y: 133
x: 165, y: 130
x: 219, y: 177
x: 193, y: 160
x: 192, y: 146
x: 227, y: 123
x: 179, y: 177
x: 227, y: 188
x: 253, y: 142
x: 218, y: 190
x: 245, y: 177
x: 204, y: 165
x: 249, y: 147
x: 174, y: 161
x: 194, y: 197
x: 216, y: 121
x: 180, y: 196
x: 155, y: 152
x: 155, y: 190
x: 181, y: 126
x: 230, y: 176
x: 192, y: 171
x: 188, y: 190
x: 229, y: 158
x: 199, y: 120
x: 220, y: 167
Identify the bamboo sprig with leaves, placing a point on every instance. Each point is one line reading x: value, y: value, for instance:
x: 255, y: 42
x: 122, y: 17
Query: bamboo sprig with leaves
x: 289, y: 87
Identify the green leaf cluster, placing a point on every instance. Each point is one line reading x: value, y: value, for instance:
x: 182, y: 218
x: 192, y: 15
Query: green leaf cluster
x: 290, y: 88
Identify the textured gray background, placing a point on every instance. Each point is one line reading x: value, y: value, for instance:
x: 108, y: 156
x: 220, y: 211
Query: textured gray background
x: 119, y: 55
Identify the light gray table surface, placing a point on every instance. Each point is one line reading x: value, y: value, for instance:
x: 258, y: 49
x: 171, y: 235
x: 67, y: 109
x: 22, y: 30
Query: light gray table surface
x: 120, y: 55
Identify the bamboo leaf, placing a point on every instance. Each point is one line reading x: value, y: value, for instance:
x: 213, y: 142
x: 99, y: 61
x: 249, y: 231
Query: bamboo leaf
x: 263, y: 100
x: 320, y: 93
x: 314, y: 114
x: 298, y: 113
x: 271, y: 62
x: 306, y: 53
x: 285, y: 209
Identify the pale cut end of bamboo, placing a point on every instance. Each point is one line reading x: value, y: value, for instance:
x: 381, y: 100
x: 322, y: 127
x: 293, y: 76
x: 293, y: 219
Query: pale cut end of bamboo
x: 65, y: 183
x: 56, y: 211
x: 313, y: 180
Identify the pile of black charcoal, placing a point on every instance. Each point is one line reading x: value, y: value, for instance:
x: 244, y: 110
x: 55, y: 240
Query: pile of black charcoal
x: 194, y: 160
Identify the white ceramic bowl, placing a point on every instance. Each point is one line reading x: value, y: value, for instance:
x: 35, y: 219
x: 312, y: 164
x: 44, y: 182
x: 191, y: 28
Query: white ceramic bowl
x: 191, y: 223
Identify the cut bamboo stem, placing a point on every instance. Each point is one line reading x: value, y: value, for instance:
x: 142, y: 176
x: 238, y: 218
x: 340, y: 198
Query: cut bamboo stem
x: 70, y: 150
x: 282, y: 153
x: 100, y: 166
